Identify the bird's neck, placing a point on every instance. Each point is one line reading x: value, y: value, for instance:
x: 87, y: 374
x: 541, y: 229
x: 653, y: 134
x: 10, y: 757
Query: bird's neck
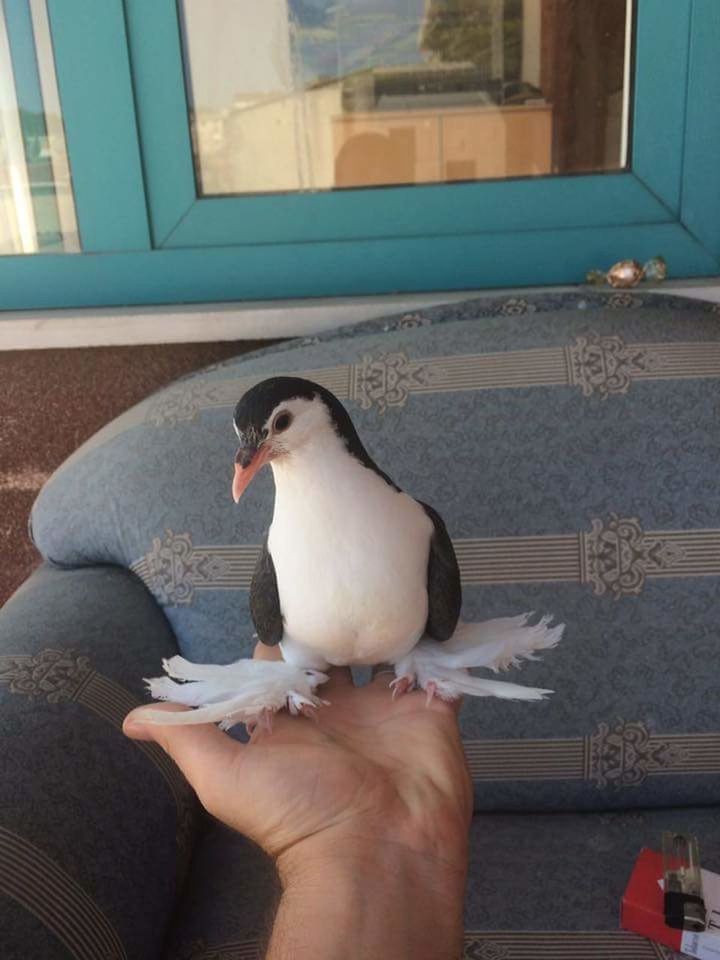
x: 321, y: 472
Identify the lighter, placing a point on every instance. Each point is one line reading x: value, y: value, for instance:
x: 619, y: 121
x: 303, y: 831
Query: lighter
x: 684, y: 903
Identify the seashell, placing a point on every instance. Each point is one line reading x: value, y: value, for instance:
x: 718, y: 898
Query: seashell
x: 625, y: 273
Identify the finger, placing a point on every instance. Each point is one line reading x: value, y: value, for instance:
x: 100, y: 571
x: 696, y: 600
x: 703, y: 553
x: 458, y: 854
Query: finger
x: 340, y: 679
x: 457, y: 705
x: 439, y: 705
x: 264, y: 652
x: 200, y: 750
x: 383, y: 674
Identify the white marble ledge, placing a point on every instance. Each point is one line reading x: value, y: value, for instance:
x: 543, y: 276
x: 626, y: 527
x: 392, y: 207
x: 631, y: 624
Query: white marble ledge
x: 195, y: 323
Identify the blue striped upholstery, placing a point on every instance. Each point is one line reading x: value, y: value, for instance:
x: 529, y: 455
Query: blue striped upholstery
x: 571, y: 445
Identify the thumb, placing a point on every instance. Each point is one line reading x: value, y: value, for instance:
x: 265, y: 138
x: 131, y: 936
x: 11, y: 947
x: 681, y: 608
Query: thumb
x: 201, y: 751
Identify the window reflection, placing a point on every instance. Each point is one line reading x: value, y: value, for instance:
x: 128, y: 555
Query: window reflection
x: 323, y: 94
x: 37, y: 210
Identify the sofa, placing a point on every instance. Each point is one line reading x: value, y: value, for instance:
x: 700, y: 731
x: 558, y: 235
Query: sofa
x: 571, y: 443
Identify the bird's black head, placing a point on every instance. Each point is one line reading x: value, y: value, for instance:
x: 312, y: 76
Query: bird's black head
x: 278, y: 416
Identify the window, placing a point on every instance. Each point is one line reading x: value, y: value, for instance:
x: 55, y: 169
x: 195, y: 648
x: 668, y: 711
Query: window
x: 301, y: 148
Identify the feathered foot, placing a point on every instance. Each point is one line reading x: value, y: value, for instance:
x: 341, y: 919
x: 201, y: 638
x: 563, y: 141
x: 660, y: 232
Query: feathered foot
x: 264, y: 721
x: 247, y: 691
x: 442, y: 669
x: 402, y: 684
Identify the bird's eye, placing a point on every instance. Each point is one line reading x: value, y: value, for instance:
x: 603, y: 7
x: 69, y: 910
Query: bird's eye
x: 282, y: 421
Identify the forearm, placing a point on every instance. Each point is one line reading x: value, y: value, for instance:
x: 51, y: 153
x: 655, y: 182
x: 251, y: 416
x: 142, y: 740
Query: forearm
x: 363, y: 900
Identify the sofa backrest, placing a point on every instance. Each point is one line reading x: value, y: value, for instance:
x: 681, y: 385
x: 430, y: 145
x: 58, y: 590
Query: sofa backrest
x: 572, y: 445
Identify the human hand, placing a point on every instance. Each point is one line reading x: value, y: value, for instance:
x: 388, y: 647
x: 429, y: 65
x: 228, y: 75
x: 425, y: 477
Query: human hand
x: 372, y: 787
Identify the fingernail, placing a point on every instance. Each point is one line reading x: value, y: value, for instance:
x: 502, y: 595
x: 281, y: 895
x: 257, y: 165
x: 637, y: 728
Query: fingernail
x: 133, y: 721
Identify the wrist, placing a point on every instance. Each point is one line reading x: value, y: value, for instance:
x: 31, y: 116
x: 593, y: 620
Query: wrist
x: 441, y: 854
x: 387, y: 893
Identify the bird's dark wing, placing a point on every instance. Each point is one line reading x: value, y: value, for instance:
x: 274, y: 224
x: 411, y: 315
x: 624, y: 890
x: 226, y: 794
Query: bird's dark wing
x: 265, y: 600
x: 443, y: 581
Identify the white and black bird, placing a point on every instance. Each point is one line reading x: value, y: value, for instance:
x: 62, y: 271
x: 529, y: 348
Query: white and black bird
x: 353, y: 571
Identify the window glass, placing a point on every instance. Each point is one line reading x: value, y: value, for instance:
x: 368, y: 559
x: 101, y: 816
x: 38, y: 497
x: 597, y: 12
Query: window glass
x: 326, y: 94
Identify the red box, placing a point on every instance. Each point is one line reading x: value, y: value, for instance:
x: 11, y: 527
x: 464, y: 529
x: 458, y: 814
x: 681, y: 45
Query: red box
x: 643, y: 910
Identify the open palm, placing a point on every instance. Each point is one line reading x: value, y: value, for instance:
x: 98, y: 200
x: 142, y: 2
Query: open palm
x: 364, y: 763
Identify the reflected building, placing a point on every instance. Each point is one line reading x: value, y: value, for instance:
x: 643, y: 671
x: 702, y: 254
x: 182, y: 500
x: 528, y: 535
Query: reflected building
x: 354, y: 94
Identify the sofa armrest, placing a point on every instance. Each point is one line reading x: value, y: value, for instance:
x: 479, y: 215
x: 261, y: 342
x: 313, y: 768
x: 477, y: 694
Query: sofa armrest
x: 95, y: 830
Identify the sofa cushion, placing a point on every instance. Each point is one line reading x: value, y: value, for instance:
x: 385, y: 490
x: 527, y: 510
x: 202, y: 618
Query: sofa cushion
x: 544, y: 886
x: 96, y: 830
x: 571, y: 444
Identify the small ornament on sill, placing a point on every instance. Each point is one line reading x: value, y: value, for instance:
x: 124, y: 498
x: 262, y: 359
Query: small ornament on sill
x: 626, y: 273
x: 629, y: 273
x: 656, y: 269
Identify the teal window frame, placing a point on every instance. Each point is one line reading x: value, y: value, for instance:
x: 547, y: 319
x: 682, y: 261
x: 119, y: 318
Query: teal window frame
x: 147, y: 237
x: 29, y: 98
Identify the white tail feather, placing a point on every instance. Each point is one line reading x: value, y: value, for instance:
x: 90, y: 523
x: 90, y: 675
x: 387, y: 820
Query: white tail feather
x: 189, y: 694
x: 494, y: 645
x: 210, y: 714
x: 453, y: 683
x: 245, y: 689
x: 498, y: 644
x: 228, y: 713
x: 234, y: 692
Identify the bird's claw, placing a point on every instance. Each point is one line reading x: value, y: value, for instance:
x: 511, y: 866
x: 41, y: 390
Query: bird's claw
x: 310, y: 711
x: 431, y: 691
x: 264, y: 722
x: 400, y: 685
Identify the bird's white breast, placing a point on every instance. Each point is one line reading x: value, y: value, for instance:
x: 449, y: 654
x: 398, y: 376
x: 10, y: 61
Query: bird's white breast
x: 350, y: 555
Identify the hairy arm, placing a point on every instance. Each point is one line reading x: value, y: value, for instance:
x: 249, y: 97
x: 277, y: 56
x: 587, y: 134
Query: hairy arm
x: 361, y: 899
x: 365, y: 812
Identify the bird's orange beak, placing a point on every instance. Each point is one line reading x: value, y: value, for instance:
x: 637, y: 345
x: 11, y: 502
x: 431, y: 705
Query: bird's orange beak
x: 248, y: 461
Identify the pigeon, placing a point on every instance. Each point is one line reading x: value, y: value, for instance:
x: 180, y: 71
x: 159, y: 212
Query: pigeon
x: 353, y: 571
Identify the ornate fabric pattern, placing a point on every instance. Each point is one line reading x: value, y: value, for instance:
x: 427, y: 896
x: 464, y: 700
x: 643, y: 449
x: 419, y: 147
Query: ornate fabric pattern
x: 602, y: 366
x: 618, y: 556
x: 570, y: 444
x: 174, y: 568
x: 622, y: 754
x: 54, y: 674
x: 615, y: 558
x: 625, y: 754
x: 65, y: 676
x: 386, y: 380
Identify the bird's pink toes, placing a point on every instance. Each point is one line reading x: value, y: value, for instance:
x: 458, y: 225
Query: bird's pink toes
x: 431, y: 691
x: 402, y: 685
x: 263, y: 721
x: 309, y: 711
x: 266, y: 720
